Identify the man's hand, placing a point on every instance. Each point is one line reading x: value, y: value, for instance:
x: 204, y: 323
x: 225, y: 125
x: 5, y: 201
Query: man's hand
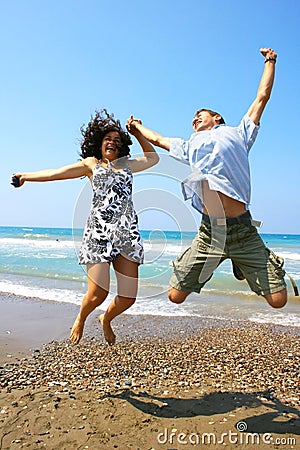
x: 268, y: 53
x: 135, y: 127
x: 131, y: 125
x: 265, y: 86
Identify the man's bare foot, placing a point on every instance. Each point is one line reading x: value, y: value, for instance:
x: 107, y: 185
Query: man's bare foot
x: 77, y: 331
x: 109, y: 335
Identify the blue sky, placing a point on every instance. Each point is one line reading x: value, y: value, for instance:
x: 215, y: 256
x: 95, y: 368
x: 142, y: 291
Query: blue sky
x: 159, y: 60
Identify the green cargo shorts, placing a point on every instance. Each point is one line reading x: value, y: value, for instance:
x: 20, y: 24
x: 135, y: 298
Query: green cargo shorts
x: 263, y: 270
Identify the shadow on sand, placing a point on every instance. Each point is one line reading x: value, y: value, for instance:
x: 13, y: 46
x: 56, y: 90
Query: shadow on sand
x: 220, y: 403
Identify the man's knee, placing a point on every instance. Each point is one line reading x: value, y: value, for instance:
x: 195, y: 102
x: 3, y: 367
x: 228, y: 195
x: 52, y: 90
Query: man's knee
x: 277, y: 299
x: 177, y: 296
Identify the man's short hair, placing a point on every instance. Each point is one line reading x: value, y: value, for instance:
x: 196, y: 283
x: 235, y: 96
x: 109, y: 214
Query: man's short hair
x: 212, y: 113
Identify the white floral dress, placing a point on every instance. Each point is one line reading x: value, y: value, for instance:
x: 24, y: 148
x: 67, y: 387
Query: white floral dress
x: 112, y: 225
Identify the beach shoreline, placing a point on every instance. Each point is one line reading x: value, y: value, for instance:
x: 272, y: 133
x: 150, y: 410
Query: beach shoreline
x: 169, y: 382
x: 27, y: 323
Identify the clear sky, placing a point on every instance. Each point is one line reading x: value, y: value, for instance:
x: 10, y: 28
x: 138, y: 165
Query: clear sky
x: 159, y: 60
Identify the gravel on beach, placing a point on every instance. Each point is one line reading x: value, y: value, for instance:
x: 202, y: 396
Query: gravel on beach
x: 175, y: 352
x: 157, y: 360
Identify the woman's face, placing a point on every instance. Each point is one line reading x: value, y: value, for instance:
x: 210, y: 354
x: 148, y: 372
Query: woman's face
x: 111, y: 145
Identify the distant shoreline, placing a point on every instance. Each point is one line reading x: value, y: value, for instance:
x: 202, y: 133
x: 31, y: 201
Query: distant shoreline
x: 44, y: 227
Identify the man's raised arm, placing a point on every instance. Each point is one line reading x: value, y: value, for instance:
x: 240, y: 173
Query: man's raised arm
x: 156, y: 139
x: 265, y: 86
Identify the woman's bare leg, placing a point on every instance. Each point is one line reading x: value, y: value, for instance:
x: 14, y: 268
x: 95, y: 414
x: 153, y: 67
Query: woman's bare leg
x: 98, y: 286
x: 127, y: 282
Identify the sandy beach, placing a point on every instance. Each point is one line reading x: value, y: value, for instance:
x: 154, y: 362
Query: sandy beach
x: 168, y: 383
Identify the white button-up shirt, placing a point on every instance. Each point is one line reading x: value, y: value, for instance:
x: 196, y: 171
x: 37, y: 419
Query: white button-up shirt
x: 220, y: 156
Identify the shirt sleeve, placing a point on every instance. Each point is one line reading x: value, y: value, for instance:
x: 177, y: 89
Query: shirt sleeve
x: 249, y: 130
x: 179, y: 149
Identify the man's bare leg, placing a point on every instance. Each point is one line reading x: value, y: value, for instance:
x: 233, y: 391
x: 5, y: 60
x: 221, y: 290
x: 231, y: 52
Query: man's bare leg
x: 278, y: 299
x: 177, y: 296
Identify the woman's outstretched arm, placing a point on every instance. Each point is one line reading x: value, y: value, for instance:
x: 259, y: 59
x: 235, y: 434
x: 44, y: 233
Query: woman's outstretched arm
x: 76, y: 170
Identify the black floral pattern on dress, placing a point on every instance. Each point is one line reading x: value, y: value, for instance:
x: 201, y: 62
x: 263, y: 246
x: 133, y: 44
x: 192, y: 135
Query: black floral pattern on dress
x: 112, y: 225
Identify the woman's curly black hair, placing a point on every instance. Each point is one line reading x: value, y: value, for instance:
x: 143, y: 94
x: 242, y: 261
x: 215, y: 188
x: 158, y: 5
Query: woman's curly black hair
x: 93, y: 134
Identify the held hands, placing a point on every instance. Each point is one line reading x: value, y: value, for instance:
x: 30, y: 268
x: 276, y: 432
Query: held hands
x: 131, y: 125
x: 269, y: 54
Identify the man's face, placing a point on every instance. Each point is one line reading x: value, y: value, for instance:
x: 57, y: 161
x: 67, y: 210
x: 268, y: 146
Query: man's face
x: 204, y: 121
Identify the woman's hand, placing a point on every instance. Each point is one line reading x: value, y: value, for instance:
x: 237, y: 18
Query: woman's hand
x: 131, y: 125
x: 17, y: 180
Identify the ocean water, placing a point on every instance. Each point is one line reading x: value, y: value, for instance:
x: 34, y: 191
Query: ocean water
x: 42, y: 263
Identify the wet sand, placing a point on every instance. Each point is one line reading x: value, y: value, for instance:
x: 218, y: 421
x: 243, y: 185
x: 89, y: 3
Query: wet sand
x: 168, y: 383
x: 28, y: 323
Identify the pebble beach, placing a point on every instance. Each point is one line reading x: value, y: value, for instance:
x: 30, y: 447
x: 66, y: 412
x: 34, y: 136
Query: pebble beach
x: 168, y: 383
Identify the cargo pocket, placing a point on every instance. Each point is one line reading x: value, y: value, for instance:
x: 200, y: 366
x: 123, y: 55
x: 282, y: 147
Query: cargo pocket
x: 277, y: 263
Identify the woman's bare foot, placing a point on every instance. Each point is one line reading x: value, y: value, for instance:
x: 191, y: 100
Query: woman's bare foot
x: 109, y: 335
x: 77, y: 331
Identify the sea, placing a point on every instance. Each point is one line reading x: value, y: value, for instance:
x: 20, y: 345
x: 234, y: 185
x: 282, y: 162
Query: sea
x: 42, y: 263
